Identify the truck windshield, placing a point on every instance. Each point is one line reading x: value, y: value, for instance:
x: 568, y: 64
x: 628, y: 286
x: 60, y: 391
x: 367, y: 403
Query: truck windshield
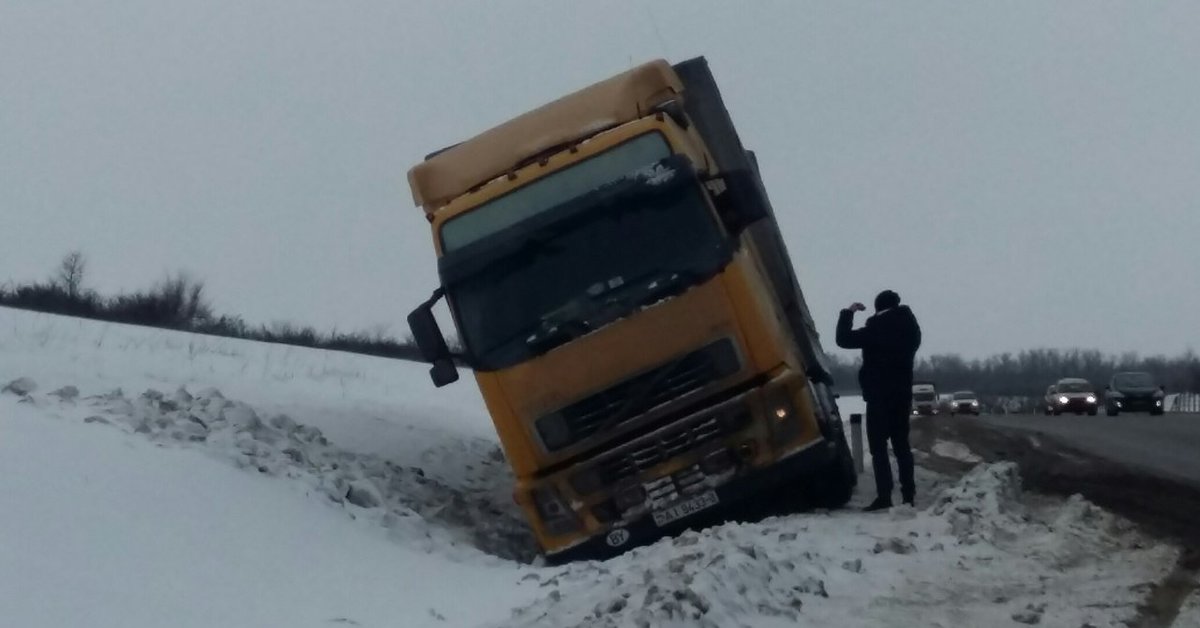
x: 580, y: 272
x: 923, y: 396
x: 547, y: 192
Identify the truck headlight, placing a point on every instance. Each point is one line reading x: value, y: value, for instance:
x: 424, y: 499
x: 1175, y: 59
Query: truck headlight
x: 781, y: 410
x: 975, y: 403
x: 1091, y: 399
x: 1063, y: 400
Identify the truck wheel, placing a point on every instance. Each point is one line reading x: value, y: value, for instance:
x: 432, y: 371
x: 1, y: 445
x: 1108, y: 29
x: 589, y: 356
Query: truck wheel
x: 835, y: 487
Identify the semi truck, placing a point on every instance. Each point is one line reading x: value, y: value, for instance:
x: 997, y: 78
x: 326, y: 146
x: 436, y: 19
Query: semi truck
x: 924, y: 398
x: 624, y: 298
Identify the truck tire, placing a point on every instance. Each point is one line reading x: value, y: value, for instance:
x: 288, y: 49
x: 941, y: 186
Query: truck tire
x: 836, y: 485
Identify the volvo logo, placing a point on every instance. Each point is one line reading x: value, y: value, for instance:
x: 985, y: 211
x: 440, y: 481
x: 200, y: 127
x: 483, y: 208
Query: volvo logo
x: 617, y: 537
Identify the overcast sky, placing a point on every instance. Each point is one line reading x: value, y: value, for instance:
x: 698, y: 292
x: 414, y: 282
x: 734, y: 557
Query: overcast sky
x: 1023, y: 174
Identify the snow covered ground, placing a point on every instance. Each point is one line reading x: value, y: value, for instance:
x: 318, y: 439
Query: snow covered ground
x: 153, y: 478
x: 1189, y: 615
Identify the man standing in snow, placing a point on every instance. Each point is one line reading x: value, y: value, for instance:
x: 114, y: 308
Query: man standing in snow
x: 889, y: 342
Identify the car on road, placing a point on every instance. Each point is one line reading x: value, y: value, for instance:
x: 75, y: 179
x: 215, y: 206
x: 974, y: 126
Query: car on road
x: 1133, y: 391
x: 1071, y: 394
x: 964, y: 402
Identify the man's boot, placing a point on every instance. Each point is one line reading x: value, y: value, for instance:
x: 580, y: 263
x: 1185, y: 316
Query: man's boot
x: 880, y: 503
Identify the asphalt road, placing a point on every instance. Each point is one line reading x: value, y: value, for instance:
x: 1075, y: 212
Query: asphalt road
x: 1167, y: 445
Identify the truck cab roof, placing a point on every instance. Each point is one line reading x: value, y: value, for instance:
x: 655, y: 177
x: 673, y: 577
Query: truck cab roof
x: 462, y: 167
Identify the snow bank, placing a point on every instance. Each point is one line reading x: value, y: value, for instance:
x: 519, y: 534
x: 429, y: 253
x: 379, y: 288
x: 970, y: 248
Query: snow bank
x: 978, y: 556
x: 151, y: 478
x: 1189, y: 614
x: 477, y: 512
x: 105, y: 528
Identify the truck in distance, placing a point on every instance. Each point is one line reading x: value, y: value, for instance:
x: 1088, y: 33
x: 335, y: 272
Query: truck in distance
x: 624, y: 298
x: 924, y: 398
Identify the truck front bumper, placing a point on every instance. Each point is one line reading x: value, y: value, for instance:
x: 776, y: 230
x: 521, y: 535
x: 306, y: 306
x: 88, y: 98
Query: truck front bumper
x: 744, y: 492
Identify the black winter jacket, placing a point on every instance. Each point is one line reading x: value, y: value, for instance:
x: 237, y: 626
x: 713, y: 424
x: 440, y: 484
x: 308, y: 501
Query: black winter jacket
x: 889, y: 342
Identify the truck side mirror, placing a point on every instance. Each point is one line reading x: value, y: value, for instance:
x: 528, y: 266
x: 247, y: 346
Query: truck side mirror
x: 431, y: 343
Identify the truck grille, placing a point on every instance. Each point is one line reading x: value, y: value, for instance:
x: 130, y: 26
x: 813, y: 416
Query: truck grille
x: 652, y: 449
x: 639, y: 394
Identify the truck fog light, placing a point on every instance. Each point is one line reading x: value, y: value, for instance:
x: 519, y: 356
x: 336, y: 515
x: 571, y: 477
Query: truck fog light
x: 781, y: 413
x: 557, y: 517
x: 1157, y: 404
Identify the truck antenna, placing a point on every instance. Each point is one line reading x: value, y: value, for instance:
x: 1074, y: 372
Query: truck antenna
x: 662, y: 43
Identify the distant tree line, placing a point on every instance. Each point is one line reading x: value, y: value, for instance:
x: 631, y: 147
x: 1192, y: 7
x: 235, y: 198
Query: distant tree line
x: 180, y: 302
x: 1027, y: 374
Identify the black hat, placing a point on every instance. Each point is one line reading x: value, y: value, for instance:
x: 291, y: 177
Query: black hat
x: 886, y: 299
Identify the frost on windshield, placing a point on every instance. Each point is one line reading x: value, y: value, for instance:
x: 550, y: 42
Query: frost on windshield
x: 656, y: 174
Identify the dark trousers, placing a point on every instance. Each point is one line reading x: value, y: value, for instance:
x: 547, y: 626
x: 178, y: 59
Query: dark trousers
x: 887, y: 420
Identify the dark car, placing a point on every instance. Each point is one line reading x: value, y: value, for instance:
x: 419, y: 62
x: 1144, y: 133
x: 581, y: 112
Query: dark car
x: 1071, y: 394
x: 1133, y: 391
x: 964, y: 402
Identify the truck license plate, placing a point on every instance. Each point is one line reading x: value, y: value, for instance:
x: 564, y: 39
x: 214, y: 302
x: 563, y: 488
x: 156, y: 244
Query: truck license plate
x: 690, y: 506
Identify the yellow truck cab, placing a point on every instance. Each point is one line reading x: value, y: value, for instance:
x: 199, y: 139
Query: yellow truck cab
x: 625, y: 300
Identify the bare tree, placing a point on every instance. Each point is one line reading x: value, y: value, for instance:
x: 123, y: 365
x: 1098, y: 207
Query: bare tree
x: 198, y: 308
x: 69, y: 275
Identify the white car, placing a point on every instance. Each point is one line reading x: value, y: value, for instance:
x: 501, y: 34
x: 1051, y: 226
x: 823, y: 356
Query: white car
x: 964, y: 402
